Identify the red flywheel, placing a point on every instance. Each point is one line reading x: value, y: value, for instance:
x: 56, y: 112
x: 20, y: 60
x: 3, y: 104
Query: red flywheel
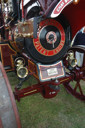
x: 52, y: 42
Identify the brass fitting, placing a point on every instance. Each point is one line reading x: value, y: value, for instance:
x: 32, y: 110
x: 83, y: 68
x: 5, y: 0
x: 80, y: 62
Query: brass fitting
x: 71, y: 59
x: 22, y: 71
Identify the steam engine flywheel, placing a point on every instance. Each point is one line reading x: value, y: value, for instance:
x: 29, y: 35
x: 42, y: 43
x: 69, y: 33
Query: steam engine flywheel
x: 52, y: 42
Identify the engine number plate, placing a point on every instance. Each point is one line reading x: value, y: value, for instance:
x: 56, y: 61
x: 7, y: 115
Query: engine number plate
x: 50, y: 72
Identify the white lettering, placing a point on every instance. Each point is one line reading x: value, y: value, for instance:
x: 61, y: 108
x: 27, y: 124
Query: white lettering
x: 66, y: 1
x: 61, y: 5
x: 51, y: 93
x: 52, y: 71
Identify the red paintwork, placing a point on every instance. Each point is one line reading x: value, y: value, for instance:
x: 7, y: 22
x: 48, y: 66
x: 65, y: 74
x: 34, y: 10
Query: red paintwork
x: 39, y: 46
x: 59, y: 7
x: 23, y: 10
x: 6, y: 56
x: 75, y: 14
x: 43, y: 87
x: 7, y: 53
x: 79, y: 74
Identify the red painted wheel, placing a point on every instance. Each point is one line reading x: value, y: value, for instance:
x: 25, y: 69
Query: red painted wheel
x: 52, y: 42
x: 9, y: 116
x: 77, y: 86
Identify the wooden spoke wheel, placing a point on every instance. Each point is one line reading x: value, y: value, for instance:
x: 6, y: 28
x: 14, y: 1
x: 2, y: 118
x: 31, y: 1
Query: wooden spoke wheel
x: 52, y: 42
x: 9, y: 117
x: 77, y: 86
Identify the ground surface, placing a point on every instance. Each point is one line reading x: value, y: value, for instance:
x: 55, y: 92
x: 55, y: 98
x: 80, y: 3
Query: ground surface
x: 63, y: 111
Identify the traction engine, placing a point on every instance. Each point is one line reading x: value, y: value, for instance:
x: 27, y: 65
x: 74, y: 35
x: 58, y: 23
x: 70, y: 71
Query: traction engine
x: 46, y: 39
x: 38, y: 38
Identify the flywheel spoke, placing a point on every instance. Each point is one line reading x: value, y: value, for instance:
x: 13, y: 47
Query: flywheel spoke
x: 78, y: 86
x: 76, y: 89
x: 80, y: 89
